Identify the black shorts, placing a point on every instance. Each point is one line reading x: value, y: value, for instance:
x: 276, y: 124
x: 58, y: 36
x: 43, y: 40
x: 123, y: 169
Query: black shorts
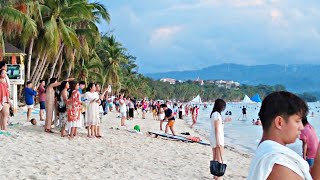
x: 42, y: 105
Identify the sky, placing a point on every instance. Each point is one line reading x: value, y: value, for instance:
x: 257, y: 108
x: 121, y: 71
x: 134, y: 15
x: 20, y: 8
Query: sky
x: 177, y: 35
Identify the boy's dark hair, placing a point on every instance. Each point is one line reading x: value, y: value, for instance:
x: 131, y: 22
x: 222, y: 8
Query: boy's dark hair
x: 28, y: 82
x: 219, y: 106
x: 82, y: 83
x: 281, y: 103
x: 41, y: 81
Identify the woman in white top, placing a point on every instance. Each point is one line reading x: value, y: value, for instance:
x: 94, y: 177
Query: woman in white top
x: 217, y: 133
x: 123, y: 110
x: 92, y: 119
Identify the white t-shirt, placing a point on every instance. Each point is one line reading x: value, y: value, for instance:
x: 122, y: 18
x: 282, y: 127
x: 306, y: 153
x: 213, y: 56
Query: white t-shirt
x: 216, y: 116
x: 123, y: 107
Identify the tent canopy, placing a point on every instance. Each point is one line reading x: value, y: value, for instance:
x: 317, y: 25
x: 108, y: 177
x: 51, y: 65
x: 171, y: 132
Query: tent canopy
x: 196, y: 100
x: 256, y: 98
x: 246, y: 99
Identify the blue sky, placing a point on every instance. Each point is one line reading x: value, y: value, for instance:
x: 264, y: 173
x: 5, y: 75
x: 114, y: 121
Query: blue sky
x: 168, y: 35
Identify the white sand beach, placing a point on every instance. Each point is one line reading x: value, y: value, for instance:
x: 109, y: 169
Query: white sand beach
x: 31, y: 153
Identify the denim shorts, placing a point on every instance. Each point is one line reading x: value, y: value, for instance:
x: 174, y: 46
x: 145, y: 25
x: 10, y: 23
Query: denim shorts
x: 310, y: 162
x: 42, y: 105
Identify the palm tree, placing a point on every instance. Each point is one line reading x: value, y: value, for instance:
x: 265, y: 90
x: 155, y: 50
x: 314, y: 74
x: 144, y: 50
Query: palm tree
x: 14, y: 20
x: 112, y: 55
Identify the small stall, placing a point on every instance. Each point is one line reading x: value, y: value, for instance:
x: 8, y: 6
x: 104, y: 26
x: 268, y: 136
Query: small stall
x: 15, y: 63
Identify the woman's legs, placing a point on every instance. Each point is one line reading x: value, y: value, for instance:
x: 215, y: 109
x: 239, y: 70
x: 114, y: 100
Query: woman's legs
x: 5, y: 115
x: 72, y: 132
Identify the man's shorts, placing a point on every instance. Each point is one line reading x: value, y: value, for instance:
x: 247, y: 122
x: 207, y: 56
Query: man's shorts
x: 42, y: 105
x: 30, y: 106
x: 170, y: 123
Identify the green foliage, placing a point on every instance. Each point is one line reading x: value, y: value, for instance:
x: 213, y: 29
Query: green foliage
x: 308, y: 97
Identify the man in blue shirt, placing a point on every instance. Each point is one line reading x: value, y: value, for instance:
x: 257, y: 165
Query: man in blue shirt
x: 29, y: 94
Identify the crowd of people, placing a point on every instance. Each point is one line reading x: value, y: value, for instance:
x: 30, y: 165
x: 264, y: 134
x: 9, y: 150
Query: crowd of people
x: 69, y: 105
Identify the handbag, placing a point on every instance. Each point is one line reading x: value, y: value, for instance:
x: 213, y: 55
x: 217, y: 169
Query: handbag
x: 217, y: 168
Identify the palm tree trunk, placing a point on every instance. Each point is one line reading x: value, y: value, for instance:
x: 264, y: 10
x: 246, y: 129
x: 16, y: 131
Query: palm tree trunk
x: 43, y: 72
x: 56, y: 60
x: 36, y: 65
x: 60, y: 67
x: 1, y: 22
x: 29, y: 58
x: 39, y: 70
x: 1, y: 40
x: 72, y: 62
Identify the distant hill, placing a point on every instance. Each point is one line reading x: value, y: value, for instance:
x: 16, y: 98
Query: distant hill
x: 296, y: 78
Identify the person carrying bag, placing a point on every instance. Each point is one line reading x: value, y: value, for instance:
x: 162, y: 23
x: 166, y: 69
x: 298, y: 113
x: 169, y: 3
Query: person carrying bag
x: 217, y: 168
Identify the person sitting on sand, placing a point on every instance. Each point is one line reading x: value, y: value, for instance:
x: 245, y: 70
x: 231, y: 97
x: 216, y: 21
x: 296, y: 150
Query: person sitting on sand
x: 281, y: 114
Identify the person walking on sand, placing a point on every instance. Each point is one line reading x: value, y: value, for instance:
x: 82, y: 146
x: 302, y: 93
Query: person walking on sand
x: 169, y: 116
x: 4, y: 101
x: 161, y: 116
x: 281, y: 116
x: 131, y: 109
x: 309, y: 140
x: 29, y: 93
x: 217, y: 130
x: 50, y: 101
x: 194, y: 114
x: 74, y: 109
x: 42, y: 98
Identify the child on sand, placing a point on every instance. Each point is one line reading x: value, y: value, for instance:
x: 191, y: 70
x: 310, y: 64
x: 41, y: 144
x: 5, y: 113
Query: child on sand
x: 29, y: 94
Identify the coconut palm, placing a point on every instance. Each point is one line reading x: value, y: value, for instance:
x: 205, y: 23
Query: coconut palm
x: 112, y: 55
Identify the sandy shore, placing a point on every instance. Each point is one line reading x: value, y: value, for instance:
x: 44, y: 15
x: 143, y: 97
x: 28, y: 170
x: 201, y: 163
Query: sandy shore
x: 32, y: 154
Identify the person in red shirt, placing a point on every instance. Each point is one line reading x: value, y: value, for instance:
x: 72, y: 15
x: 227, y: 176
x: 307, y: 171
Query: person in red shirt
x: 310, y: 142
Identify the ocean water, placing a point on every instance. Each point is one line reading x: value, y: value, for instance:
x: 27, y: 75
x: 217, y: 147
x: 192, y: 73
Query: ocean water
x: 241, y: 133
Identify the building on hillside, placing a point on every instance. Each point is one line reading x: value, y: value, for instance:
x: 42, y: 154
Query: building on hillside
x: 169, y: 80
x: 224, y: 83
x: 198, y: 80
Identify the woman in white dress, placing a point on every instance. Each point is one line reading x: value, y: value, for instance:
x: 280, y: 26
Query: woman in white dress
x: 92, y: 119
x: 217, y: 132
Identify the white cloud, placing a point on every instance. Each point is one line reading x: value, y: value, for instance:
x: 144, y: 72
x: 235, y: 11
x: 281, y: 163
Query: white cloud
x: 132, y: 16
x: 248, y: 3
x: 164, y: 35
x: 194, y: 5
x: 315, y: 33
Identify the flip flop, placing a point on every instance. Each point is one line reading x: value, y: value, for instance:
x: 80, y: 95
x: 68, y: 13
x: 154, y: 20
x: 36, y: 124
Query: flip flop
x: 48, y: 131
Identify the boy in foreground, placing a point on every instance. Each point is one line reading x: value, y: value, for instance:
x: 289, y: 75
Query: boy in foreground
x: 281, y: 116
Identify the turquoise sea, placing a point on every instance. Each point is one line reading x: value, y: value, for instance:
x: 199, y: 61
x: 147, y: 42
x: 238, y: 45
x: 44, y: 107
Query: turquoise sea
x: 242, y: 134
